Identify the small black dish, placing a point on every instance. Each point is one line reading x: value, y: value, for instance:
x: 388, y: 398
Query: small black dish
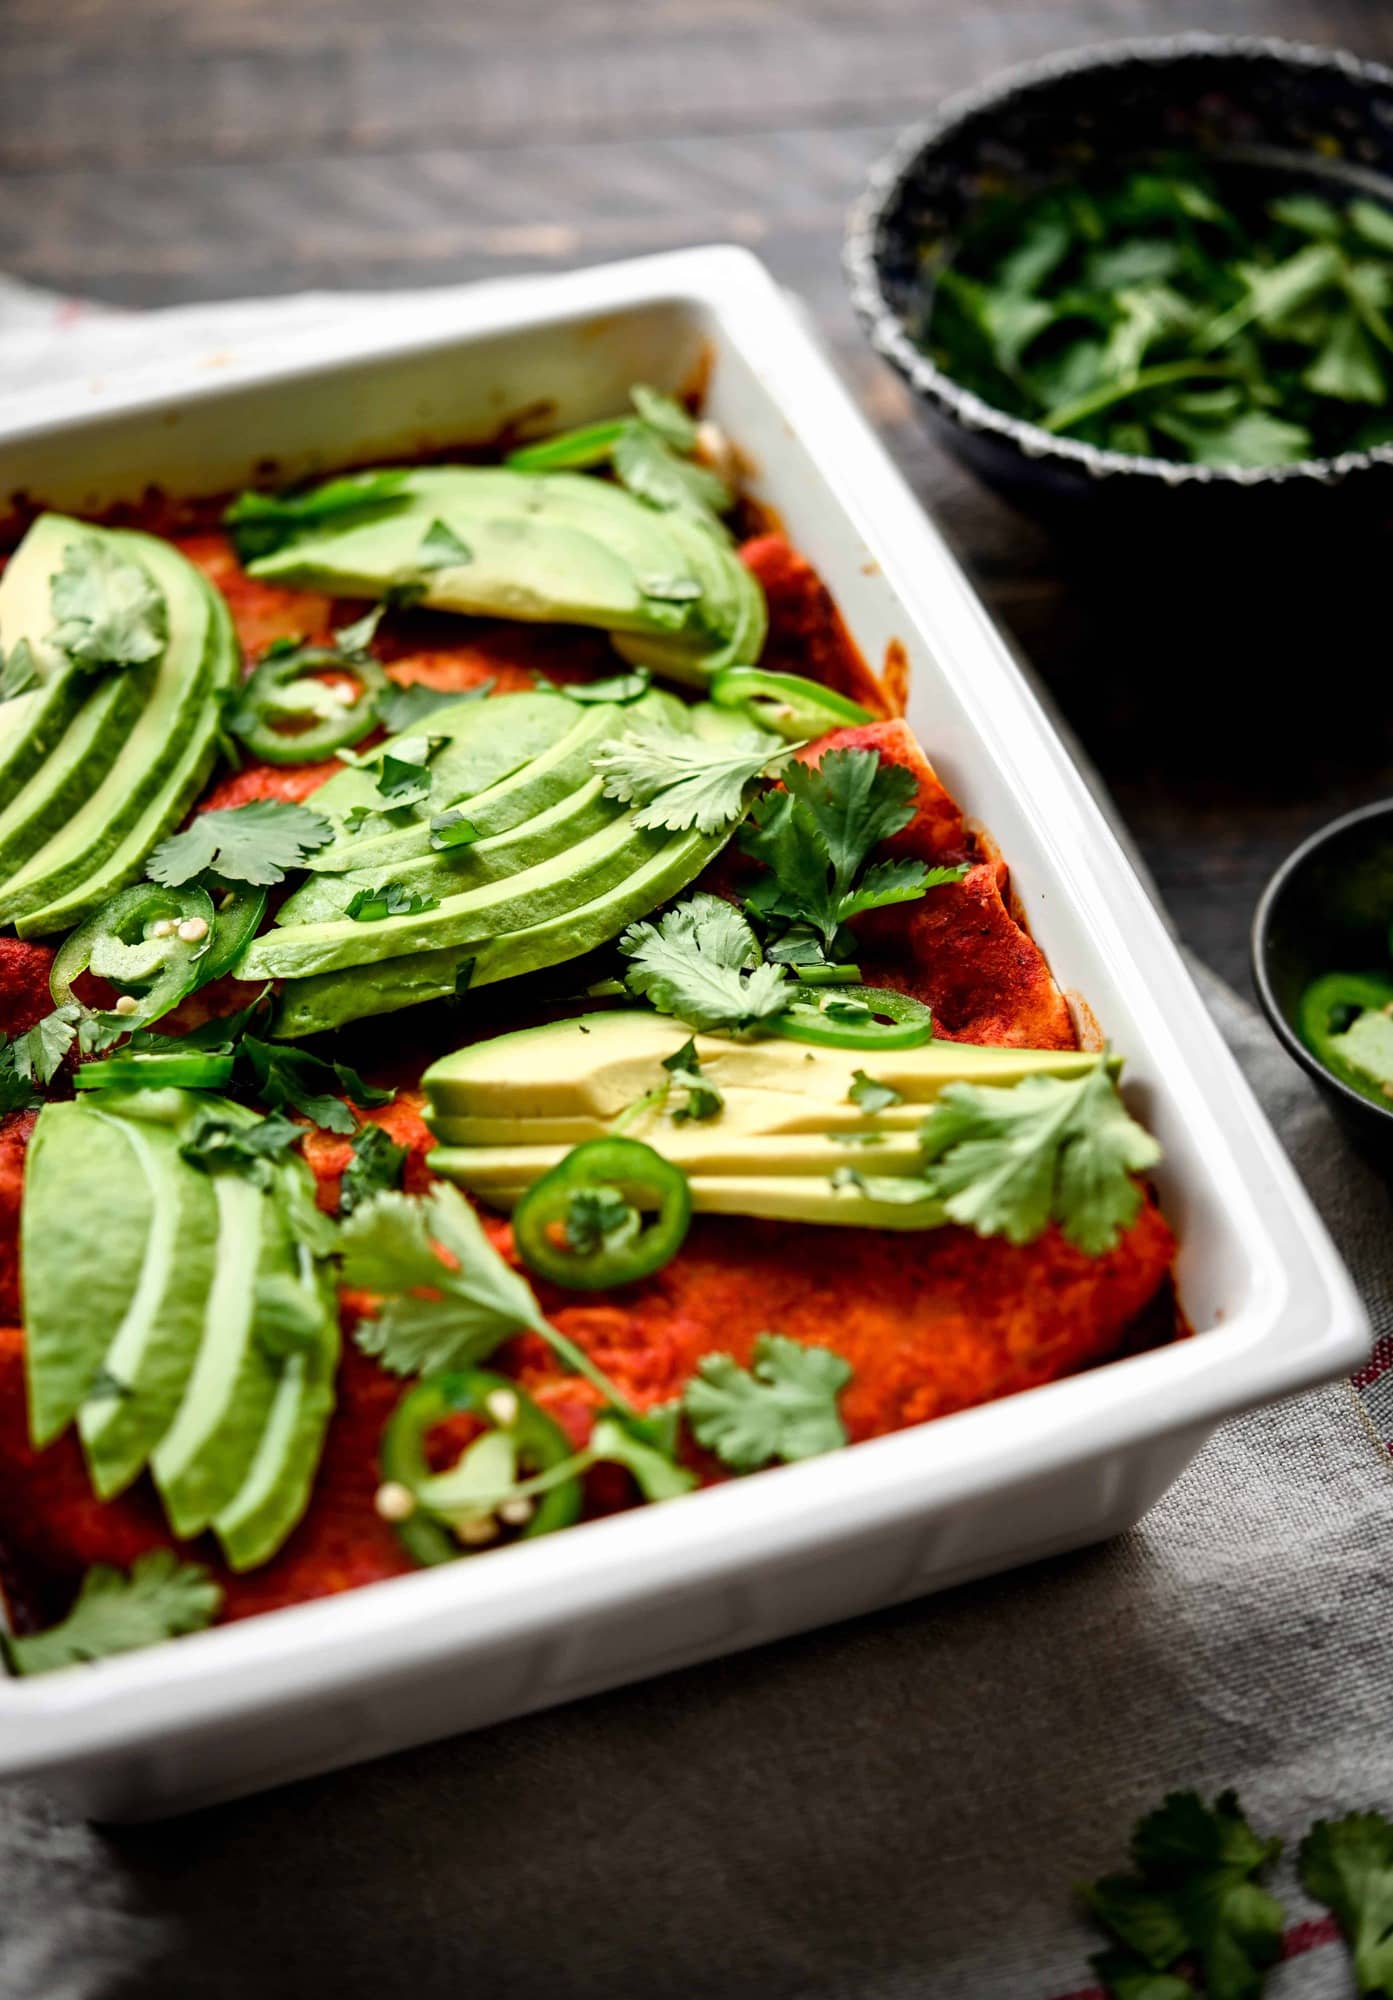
x: 1319, y: 118
x: 1328, y: 909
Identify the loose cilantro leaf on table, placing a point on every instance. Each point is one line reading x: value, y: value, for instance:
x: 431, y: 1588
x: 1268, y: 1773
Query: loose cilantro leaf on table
x: 107, y: 609
x: 390, y: 899
x: 389, y: 1246
x: 293, y: 1080
x: 219, y: 1144
x: 1195, y: 1895
x: 701, y: 1099
x: 679, y: 780
x: 160, y: 1598
x: 253, y: 843
x: 783, y: 1407
x: 701, y: 962
x: 871, y: 1096
x: 376, y: 1165
x: 1347, y: 1864
x: 263, y: 522
x: 817, y: 834
x: 401, y: 708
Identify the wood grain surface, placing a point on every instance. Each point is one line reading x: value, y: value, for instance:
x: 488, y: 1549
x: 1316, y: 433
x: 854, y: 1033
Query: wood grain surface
x: 155, y: 151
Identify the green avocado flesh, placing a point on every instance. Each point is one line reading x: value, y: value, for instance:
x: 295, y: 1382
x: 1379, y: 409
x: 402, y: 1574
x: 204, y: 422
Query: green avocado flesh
x: 560, y: 548
x: 171, y: 1349
x: 556, y: 869
x: 98, y: 765
x: 508, y: 1110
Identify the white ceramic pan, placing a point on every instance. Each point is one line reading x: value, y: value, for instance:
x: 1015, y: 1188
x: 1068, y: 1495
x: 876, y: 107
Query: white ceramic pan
x: 351, y: 1677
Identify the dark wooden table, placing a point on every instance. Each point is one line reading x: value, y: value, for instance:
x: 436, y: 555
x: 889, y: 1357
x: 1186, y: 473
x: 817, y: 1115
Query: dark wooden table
x: 166, y: 150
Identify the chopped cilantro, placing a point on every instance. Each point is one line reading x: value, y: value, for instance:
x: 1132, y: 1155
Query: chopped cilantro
x: 679, y: 780
x: 19, y: 670
x: 701, y: 1099
x: 599, y: 1218
x: 17, y: 1092
x: 218, y: 1144
x: 871, y: 1096
x: 441, y: 548
x: 452, y: 829
x: 264, y: 522
x: 401, y: 708
x: 1347, y: 1864
x: 106, y: 608
x: 253, y: 843
x: 390, y: 899
x: 1006, y: 1161
x: 783, y: 1407
x: 160, y: 1598
x: 701, y: 963
x: 38, y: 1052
x: 403, y: 772
x: 1194, y: 1894
x: 293, y: 1080
x: 376, y: 1165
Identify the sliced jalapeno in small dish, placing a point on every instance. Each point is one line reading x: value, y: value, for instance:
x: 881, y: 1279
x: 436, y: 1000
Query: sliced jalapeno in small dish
x: 582, y: 1225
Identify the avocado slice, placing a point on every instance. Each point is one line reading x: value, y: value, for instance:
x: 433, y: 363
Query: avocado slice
x: 509, y: 1109
x: 734, y: 619
x: 310, y: 1005
x: 154, y: 1345
x: 32, y: 723
x: 77, y: 1166
x: 161, y: 766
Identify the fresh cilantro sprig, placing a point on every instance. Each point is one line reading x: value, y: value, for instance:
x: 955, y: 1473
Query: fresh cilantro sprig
x: 289, y: 1079
x: 678, y: 780
x: 217, y: 1143
x: 652, y: 454
x: 815, y: 839
x: 254, y: 843
x: 17, y: 1091
x: 701, y: 962
x: 1194, y: 1895
x: 376, y: 1165
x: 784, y: 1406
x: 107, y: 609
x: 38, y: 1053
x: 1347, y: 1864
x: 699, y: 1098
x: 160, y: 1598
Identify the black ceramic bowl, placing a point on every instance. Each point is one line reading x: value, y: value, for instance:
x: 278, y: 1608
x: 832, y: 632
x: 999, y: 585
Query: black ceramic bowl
x: 1314, y: 117
x: 1328, y: 909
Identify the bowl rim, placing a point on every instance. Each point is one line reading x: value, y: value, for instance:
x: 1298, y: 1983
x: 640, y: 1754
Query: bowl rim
x: 890, y: 337
x: 1257, y: 941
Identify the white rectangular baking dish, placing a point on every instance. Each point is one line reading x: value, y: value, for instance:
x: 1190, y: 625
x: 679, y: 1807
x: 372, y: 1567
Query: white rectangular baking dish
x: 352, y: 1677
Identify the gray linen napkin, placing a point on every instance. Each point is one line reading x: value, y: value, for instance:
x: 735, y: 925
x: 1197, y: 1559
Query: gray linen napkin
x: 894, y: 1809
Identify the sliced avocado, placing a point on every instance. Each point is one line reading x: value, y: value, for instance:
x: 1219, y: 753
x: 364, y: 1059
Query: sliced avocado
x: 162, y: 764
x: 733, y: 616
x: 562, y: 883
x: 703, y: 1149
x: 78, y: 1166
x: 32, y: 723
x: 203, y: 1458
x: 83, y: 755
x: 154, y: 1345
x: 309, y: 1005
x: 486, y: 743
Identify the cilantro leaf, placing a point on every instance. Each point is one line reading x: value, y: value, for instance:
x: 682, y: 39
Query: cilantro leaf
x: 401, y: 708
x: 701, y: 963
x: 292, y: 1079
x: 253, y: 843
x: 1127, y: 1977
x: 1008, y: 1160
x: 263, y: 522
x: 871, y: 1096
x: 905, y: 1190
x: 857, y: 799
x: 599, y: 1218
x: 702, y: 1099
x: 388, y: 1246
x: 452, y: 829
x: 219, y: 1144
x: 161, y: 1598
x: 784, y: 1407
x: 403, y: 772
x: 441, y: 548
x: 17, y: 1092
x: 19, y: 670
x: 389, y: 899
x: 1195, y: 1893
x: 107, y: 609
x: 39, y: 1051
x: 1347, y: 1864
x: 645, y: 463
x: 678, y: 780
x: 666, y: 416
x: 376, y: 1166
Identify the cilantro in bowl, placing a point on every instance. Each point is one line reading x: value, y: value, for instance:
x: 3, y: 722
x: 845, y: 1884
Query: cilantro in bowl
x: 1166, y: 315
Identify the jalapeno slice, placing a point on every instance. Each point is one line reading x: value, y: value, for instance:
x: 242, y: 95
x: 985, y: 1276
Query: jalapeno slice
x: 1327, y: 1008
x: 571, y: 450
x: 287, y: 713
x: 857, y: 1017
x: 157, y: 1069
x: 238, y: 919
x: 581, y: 1225
x: 148, y: 942
x: 794, y: 707
x: 529, y: 1446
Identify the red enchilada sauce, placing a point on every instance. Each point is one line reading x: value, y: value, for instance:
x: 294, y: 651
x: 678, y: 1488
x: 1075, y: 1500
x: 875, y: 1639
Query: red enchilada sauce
x: 931, y: 1321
